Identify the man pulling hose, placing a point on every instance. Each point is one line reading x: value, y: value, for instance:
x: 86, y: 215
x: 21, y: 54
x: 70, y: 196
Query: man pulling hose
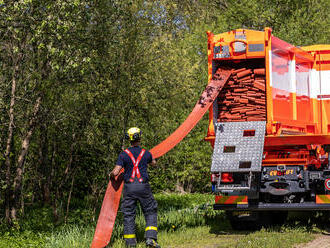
x: 135, y: 162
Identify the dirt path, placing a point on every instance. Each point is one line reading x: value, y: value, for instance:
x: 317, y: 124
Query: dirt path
x: 322, y: 241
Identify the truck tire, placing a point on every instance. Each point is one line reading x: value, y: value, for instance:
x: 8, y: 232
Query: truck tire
x: 279, y: 217
x: 243, y: 221
x: 272, y: 218
x: 255, y: 220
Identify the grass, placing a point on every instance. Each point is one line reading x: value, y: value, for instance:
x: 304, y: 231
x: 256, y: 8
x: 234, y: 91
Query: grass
x: 203, y: 237
x: 184, y: 221
x: 72, y: 236
x: 200, y: 236
x: 282, y: 237
x: 21, y: 239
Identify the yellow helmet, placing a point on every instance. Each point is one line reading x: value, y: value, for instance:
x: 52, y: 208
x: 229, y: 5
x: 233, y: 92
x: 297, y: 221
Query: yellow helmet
x: 133, y: 134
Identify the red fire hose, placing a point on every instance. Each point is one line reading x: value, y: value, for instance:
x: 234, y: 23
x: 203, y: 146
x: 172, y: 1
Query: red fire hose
x: 111, y: 199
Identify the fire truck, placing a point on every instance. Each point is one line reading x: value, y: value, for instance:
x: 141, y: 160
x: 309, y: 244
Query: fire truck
x: 269, y: 127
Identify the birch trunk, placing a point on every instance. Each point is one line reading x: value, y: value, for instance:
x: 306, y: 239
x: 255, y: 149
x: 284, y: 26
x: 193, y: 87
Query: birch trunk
x: 9, y: 147
x: 21, y: 159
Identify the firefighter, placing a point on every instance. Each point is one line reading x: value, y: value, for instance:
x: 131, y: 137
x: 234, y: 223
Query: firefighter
x: 135, y: 161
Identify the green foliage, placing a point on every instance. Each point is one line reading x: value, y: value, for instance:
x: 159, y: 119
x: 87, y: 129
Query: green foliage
x: 176, y: 212
x: 103, y: 66
x: 39, y: 219
x: 177, y: 201
x: 22, y: 239
x: 184, y: 220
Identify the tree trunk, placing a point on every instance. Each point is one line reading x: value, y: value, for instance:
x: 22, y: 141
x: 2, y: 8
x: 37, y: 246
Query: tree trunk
x: 17, y: 185
x: 69, y: 165
x: 22, y: 195
x: 55, y: 190
x: 9, y: 147
x: 69, y: 199
x: 44, y: 170
x: 55, y: 210
x: 96, y: 195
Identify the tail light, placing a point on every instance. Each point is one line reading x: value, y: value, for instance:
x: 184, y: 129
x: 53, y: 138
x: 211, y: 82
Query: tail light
x: 227, y: 177
x: 214, y: 178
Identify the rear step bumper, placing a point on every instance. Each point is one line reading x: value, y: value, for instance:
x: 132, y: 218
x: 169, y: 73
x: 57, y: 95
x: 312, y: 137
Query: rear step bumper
x: 273, y: 206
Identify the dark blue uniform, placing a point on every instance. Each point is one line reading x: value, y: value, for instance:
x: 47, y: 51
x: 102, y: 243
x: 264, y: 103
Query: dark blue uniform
x: 137, y: 191
x: 125, y: 161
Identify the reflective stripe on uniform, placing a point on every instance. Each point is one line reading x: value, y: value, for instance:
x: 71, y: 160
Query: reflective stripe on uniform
x: 129, y: 236
x: 135, y: 165
x: 148, y: 228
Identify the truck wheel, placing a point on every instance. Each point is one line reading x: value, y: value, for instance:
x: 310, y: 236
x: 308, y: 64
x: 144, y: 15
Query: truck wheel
x: 279, y: 218
x: 243, y: 221
x: 272, y: 218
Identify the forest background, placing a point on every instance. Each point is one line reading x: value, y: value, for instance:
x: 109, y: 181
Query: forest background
x: 75, y: 74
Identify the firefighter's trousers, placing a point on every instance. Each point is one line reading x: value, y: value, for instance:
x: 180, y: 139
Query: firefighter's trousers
x: 141, y: 192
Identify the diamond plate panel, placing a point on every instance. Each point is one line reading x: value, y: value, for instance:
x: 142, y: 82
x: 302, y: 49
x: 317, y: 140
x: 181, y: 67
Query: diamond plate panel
x: 234, y: 152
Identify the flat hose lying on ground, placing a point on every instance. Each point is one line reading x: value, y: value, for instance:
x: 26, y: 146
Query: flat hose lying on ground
x: 111, y: 199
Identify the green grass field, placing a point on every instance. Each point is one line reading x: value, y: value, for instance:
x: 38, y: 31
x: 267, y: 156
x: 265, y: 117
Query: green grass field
x: 184, y: 221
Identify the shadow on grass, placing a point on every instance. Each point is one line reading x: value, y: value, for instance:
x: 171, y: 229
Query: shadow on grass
x: 220, y: 225
x: 312, y: 222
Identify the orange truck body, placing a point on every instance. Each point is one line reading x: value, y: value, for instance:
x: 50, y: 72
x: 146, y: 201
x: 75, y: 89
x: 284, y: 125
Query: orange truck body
x: 297, y: 85
x: 297, y: 135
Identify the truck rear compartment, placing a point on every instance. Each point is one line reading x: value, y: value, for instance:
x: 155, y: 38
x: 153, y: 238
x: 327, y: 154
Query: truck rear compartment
x: 244, y: 97
x: 269, y: 127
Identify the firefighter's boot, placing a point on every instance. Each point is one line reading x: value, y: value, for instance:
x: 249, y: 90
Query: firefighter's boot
x: 152, y: 243
x: 130, y: 243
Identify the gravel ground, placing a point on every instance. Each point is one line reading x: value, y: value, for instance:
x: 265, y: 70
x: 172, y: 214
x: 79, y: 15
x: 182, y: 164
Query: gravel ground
x: 322, y: 241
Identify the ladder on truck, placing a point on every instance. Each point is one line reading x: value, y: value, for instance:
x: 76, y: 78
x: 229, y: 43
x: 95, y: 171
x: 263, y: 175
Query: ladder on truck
x: 238, y: 148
